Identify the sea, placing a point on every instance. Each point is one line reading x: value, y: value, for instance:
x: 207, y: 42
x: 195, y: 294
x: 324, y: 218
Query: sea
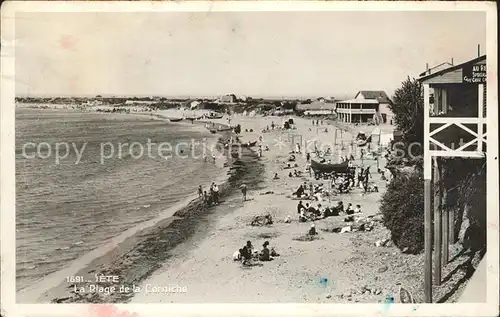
x: 74, y: 202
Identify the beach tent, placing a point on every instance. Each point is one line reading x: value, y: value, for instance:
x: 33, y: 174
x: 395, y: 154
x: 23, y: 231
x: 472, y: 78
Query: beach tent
x: 385, y: 139
x: 376, y: 135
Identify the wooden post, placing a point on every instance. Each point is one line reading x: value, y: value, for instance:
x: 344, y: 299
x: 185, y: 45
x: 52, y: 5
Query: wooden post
x: 446, y: 227
x: 437, y: 222
x: 480, y: 105
x: 427, y: 202
x: 427, y: 241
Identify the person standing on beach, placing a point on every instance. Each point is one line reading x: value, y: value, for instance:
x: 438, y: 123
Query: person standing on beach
x: 216, y: 194
x: 200, y: 191
x: 244, y: 191
x: 272, y: 125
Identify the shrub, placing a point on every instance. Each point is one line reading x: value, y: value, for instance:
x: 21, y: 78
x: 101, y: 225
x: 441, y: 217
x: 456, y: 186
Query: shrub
x: 408, y: 108
x: 402, y: 208
x: 237, y: 129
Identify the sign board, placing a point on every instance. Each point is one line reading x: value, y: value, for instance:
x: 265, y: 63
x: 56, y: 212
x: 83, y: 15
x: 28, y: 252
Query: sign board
x: 474, y: 74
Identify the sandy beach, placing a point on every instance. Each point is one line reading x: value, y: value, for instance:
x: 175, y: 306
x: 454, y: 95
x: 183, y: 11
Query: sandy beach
x: 336, y: 267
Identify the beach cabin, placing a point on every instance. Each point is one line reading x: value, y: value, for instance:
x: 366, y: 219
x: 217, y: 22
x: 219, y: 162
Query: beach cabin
x: 317, y: 108
x: 454, y: 126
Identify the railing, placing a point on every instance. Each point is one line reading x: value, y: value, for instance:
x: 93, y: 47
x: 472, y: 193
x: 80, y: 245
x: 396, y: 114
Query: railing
x: 357, y: 111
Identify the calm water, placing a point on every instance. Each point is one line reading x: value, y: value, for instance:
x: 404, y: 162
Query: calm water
x: 65, y: 210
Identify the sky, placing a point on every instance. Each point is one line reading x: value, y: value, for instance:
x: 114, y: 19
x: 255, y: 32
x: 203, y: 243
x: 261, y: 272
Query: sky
x: 245, y: 53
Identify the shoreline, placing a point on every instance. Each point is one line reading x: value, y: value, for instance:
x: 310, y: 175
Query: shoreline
x: 52, y: 287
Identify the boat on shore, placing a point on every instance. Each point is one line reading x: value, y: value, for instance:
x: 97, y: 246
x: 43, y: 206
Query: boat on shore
x: 176, y: 119
x: 329, y: 168
x: 218, y: 129
x: 193, y: 118
x: 243, y: 145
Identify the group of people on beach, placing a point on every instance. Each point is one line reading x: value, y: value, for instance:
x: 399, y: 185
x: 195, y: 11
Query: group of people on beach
x: 247, y: 254
x: 308, y: 212
x: 210, y: 198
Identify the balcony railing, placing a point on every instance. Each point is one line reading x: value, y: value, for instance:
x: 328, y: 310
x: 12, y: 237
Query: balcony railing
x: 357, y: 111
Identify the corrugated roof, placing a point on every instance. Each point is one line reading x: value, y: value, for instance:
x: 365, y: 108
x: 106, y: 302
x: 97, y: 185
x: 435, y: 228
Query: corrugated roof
x: 360, y: 101
x: 380, y: 95
x: 441, y: 72
x: 437, y: 68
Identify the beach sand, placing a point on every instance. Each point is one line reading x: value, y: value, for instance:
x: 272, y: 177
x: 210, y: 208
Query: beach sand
x: 334, y: 268
x: 299, y: 274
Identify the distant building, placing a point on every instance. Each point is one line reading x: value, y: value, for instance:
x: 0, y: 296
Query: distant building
x: 367, y: 106
x: 228, y: 99
x: 317, y: 108
x: 384, y: 114
x: 356, y: 110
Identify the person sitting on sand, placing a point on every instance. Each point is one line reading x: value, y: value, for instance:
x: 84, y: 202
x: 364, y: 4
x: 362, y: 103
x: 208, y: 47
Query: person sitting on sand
x: 349, y: 210
x: 312, y: 231
x: 319, y: 210
x: 345, y: 185
x: 340, y: 207
x: 276, y: 176
x: 357, y: 209
x: 299, y: 192
x: 265, y: 253
x: 302, y: 215
x: 237, y: 255
x: 249, y: 246
x: 311, y: 210
x: 328, y: 212
x: 246, y: 255
x: 300, y: 206
x: 290, y: 174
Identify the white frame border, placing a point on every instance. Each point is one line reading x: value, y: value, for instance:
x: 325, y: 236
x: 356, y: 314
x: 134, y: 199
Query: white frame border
x: 7, y: 164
